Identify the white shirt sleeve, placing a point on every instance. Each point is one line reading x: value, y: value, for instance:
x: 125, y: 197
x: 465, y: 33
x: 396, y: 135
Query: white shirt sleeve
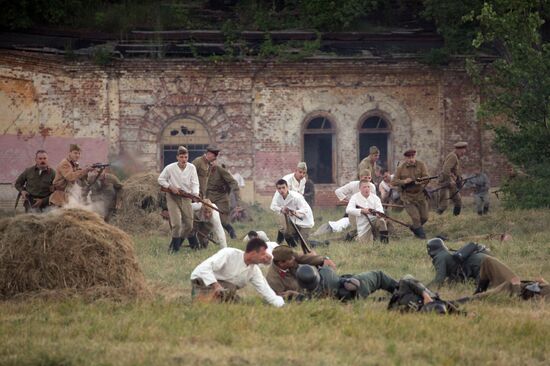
x: 163, y: 178
x: 205, y: 270
x: 260, y: 284
x: 340, y: 193
x: 275, y: 203
x: 194, y: 181
x: 217, y: 228
x: 351, y: 208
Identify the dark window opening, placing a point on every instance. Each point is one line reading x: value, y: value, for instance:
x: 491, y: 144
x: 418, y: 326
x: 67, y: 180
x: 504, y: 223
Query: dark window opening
x: 170, y: 151
x: 318, y: 143
x: 375, y: 131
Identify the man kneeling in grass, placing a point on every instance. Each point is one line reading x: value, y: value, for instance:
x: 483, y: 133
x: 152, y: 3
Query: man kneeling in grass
x: 219, y: 277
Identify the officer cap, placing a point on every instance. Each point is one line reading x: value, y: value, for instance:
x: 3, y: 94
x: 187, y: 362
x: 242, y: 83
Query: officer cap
x: 182, y: 150
x: 282, y: 253
x: 461, y: 145
x: 374, y: 150
x: 435, y: 245
x: 409, y: 152
x: 213, y: 149
x: 74, y: 147
x: 302, y: 166
x: 308, y: 277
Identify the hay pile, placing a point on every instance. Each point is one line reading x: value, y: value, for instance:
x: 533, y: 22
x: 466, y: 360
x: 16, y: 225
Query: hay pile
x: 65, y: 252
x: 141, y: 205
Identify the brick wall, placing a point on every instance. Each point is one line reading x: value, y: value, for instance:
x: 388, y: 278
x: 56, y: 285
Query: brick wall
x: 254, y: 111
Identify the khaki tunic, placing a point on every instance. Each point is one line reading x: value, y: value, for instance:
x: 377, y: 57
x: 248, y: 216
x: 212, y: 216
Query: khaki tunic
x: 220, y: 184
x: 106, y: 190
x: 281, y: 281
x: 67, y: 174
x: 413, y: 196
x: 203, y: 172
x: 449, y: 173
x: 366, y: 163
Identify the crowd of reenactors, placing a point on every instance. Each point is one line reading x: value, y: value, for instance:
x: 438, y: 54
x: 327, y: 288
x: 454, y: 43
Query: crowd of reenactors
x: 198, y: 203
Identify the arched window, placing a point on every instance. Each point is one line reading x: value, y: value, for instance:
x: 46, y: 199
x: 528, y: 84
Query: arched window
x: 318, y: 143
x: 375, y: 131
x: 185, y: 131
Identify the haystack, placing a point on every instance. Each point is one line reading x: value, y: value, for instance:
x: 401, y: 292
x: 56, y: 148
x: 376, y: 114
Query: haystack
x: 141, y: 205
x: 70, y: 251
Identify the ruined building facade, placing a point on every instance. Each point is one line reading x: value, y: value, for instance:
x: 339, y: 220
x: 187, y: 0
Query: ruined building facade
x: 265, y: 116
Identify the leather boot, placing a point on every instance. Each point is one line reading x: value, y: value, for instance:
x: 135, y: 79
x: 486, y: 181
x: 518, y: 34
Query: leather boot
x: 175, y: 244
x: 280, y: 237
x: 419, y: 232
x: 193, y: 242
x: 384, y: 237
x: 230, y: 230
x: 171, y: 247
x: 456, y: 210
x: 290, y: 241
x: 482, y: 286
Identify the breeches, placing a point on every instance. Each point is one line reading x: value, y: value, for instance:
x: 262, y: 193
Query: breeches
x: 444, y: 195
x: 495, y: 272
x: 181, y: 215
x: 374, y: 280
x: 417, y: 208
x: 286, y: 227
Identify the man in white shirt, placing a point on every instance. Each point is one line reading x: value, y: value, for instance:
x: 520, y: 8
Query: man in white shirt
x: 360, y: 206
x: 206, y: 221
x: 220, y: 276
x: 292, y: 208
x: 180, y: 176
x: 297, y: 181
x: 388, y: 192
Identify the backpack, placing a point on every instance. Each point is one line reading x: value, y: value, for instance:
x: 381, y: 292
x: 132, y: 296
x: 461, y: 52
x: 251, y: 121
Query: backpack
x: 462, y: 254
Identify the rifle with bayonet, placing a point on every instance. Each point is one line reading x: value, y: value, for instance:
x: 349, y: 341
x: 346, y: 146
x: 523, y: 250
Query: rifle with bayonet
x: 303, y: 243
x: 191, y: 196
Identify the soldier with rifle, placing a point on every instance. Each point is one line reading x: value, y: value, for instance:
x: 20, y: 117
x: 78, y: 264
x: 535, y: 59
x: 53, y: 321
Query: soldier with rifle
x: 412, y: 177
x: 203, y: 164
x: 207, y: 226
x: 105, y: 189
x: 281, y: 274
x: 68, y: 173
x: 295, y: 215
x: 481, y: 185
x: 367, y: 224
x: 35, y: 184
x: 177, y: 178
x: 451, y: 179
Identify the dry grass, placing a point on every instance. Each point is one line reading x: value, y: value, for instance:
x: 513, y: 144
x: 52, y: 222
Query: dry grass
x: 171, y: 330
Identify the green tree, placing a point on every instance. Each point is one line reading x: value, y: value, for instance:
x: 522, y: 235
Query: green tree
x: 516, y: 86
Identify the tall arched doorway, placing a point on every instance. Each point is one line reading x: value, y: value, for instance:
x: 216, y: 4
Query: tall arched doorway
x: 318, y: 149
x: 186, y: 131
x: 374, y: 130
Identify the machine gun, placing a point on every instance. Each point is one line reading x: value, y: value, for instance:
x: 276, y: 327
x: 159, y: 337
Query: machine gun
x: 193, y: 198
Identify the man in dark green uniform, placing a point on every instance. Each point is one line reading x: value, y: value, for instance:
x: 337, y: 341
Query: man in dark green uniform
x: 35, y: 183
x: 220, y: 184
x: 326, y: 283
x: 203, y: 164
x: 470, y: 262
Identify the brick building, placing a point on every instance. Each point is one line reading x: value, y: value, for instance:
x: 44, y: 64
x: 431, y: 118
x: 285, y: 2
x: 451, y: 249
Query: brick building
x: 265, y: 116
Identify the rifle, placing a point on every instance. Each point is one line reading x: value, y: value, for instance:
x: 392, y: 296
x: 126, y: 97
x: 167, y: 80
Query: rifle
x: 393, y: 205
x: 383, y: 215
x: 194, y: 198
x: 207, y: 237
x: 101, y: 167
x: 303, y: 243
x: 17, y: 202
x: 418, y: 180
x: 460, y: 184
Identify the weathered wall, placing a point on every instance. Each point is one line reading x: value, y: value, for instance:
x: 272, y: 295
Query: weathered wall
x: 254, y: 111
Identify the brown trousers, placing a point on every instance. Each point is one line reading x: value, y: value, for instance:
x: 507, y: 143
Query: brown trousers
x: 444, y: 195
x: 417, y: 208
x: 202, y: 293
x: 379, y: 225
x: 181, y: 215
x: 287, y: 228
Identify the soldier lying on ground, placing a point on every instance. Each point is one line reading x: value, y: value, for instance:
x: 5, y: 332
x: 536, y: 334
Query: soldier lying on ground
x: 281, y: 274
x: 472, y: 261
x: 413, y: 296
x: 526, y: 290
x: 324, y: 282
x: 219, y: 277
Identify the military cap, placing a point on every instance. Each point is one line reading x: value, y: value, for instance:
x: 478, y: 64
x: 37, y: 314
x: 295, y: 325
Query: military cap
x: 302, y: 166
x: 213, y: 150
x: 282, y: 253
x: 409, y: 152
x: 74, y: 147
x: 374, y: 150
x: 461, y: 145
x: 182, y: 150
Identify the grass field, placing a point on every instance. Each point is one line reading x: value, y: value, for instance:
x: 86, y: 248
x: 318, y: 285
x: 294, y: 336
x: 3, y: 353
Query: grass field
x: 170, y: 330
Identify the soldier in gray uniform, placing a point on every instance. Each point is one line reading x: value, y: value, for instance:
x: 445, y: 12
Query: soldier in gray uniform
x: 480, y: 183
